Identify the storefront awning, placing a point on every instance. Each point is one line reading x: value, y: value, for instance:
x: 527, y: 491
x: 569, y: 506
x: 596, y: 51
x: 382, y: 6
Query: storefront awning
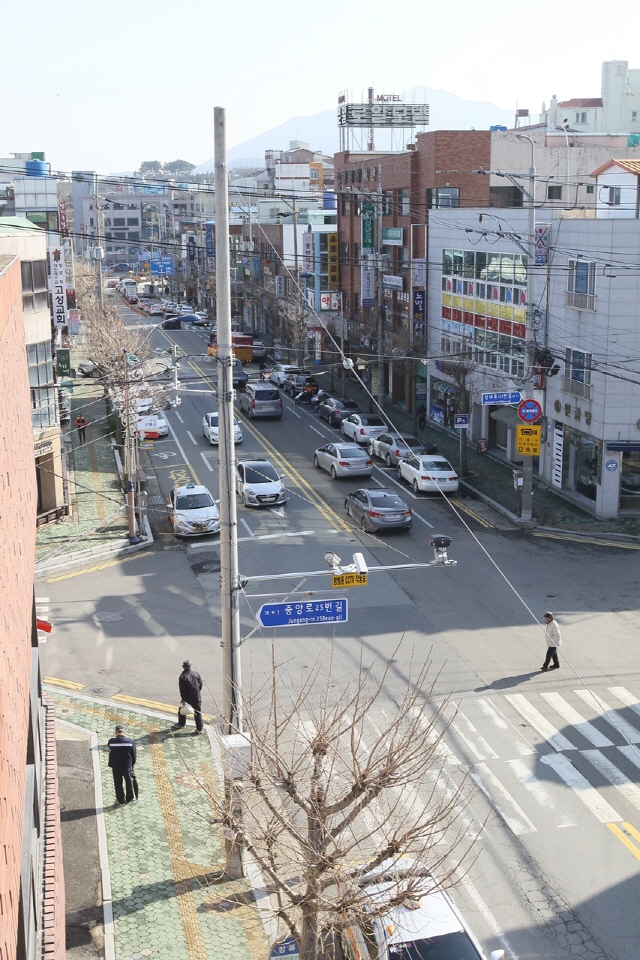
x: 442, y: 386
x: 627, y: 446
x: 506, y: 415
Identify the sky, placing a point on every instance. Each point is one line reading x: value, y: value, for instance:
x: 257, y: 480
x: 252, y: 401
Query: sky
x: 102, y: 86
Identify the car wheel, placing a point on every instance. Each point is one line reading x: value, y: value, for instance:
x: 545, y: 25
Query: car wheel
x: 316, y: 462
x: 244, y: 500
x: 347, y: 508
x: 363, y: 525
x: 333, y: 473
x: 415, y: 486
x: 370, y: 449
x: 342, y: 430
x: 388, y: 460
x: 399, y: 472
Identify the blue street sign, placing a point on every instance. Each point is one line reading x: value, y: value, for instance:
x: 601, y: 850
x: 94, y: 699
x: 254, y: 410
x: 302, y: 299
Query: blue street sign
x: 208, y: 240
x: 497, y: 398
x: 285, y: 948
x: 161, y: 267
x: 301, y: 613
x: 461, y: 421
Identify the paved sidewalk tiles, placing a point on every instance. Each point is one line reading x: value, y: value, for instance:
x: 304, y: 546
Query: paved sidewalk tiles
x: 165, y: 857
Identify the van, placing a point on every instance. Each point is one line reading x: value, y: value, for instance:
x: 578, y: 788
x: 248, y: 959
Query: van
x: 261, y: 400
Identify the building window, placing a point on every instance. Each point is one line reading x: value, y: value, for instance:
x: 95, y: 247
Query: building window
x: 134, y: 234
x: 132, y: 206
x: 581, y: 284
x: 107, y: 221
x: 554, y: 191
x: 634, y: 116
x: 133, y: 222
x: 118, y: 206
x: 387, y: 203
x: 404, y: 203
x: 345, y: 205
x: 118, y: 221
x: 119, y: 236
x: 41, y: 382
x: 35, y: 294
x: 591, y: 188
x: 614, y: 196
x: 313, y: 173
x: 577, y: 373
x: 443, y: 197
x: 581, y: 117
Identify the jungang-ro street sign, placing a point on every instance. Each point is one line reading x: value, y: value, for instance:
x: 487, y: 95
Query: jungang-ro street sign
x: 300, y: 613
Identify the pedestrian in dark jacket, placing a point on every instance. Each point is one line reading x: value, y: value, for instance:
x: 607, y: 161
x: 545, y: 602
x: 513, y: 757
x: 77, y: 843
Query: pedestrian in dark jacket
x: 122, y: 760
x: 81, y: 424
x: 190, y: 683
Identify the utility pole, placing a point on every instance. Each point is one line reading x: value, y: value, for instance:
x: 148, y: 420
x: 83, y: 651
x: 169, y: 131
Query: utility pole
x: 129, y: 456
x: 296, y: 291
x: 526, y: 513
x: 96, y: 206
x: 229, y: 575
x: 380, y: 390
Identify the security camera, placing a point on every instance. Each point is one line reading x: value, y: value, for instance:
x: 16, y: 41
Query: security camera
x: 440, y: 542
x: 332, y: 559
x: 360, y: 563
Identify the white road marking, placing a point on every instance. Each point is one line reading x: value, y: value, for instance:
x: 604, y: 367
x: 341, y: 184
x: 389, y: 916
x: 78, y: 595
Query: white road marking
x: 537, y: 789
x: 178, y: 416
x: 520, y: 823
x: 397, y: 482
x: 379, y: 482
x: 627, y: 698
x: 540, y: 723
x: 179, y: 446
x: 323, y: 435
x: 628, y: 731
x: 582, y: 788
x: 491, y: 711
x: 277, y: 511
x: 206, y: 460
x: 247, y: 528
x: 566, y: 711
x: 192, y: 438
x: 467, y: 732
x: 418, y: 517
x: 630, y: 791
x: 295, y: 413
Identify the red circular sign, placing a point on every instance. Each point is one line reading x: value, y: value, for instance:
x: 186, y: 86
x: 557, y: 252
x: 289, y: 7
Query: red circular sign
x: 529, y: 411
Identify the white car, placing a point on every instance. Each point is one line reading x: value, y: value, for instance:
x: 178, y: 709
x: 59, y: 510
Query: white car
x: 193, y: 511
x: 343, y: 460
x: 426, y: 926
x: 429, y: 474
x: 155, y: 310
x: 363, y: 427
x: 281, y: 371
x: 210, y: 428
x: 259, y: 484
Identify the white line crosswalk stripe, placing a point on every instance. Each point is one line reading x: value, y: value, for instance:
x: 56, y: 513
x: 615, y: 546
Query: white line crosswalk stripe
x: 518, y: 823
x: 557, y: 740
x: 538, y: 791
x: 493, y: 713
x: 624, y: 727
x: 582, y: 788
x: 469, y: 734
x: 566, y: 711
x: 630, y: 791
x: 627, y: 698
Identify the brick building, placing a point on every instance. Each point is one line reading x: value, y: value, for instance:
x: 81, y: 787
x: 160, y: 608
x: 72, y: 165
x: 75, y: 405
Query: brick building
x: 31, y: 879
x: 434, y: 172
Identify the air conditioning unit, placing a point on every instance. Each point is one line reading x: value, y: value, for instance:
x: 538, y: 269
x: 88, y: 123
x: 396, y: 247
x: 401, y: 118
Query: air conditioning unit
x: 98, y: 253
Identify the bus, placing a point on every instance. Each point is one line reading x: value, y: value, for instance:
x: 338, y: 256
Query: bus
x: 241, y: 344
x: 128, y: 288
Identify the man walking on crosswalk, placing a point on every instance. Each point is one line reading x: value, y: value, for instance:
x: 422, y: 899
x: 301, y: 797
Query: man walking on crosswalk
x: 554, y: 640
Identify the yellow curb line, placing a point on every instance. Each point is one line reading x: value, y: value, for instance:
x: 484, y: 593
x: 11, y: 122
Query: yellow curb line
x: 69, y: 684
x: 153, y: 704
x: 471, y: 513
x: 597, y: 543
x: 615, y: 829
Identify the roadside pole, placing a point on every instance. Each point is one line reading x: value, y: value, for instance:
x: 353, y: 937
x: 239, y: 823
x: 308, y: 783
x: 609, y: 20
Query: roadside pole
x: 526, y: 512
x: 381, y: 317
x: 128, y: 457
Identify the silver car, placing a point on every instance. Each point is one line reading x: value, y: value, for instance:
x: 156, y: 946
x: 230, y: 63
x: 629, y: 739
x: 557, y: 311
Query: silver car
x: 343, y: 460
x: 363, y: 427
x: 394, y: 447
x: 378, y: 510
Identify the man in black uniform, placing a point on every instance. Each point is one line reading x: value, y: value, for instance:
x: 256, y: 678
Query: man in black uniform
x: 190, y: 683
x: 122, y: 760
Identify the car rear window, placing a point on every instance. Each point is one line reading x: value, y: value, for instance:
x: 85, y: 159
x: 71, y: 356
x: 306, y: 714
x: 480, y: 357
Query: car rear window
x: 352, y: 452
x: 437, y: 466
x: 347, y: 404
x: 194, y: 501
x: 373, y: 422
x: 411, y: 441
x: 386, y: 500
x: 267, y: 394
x: 265, y: 473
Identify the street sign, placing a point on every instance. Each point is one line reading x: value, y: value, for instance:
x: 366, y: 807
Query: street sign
x: 285, y: 948
x: 501, y: 398
x: 302, y: 613
x: 461, y: 421
x: 132, y: 359
x: 349, y: 580
x: 528, y: 440
x: 161, y: 267
x: 529, y: 411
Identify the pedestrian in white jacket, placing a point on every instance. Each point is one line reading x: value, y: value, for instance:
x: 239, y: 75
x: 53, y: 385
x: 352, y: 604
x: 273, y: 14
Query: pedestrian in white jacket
x: 554, y: 640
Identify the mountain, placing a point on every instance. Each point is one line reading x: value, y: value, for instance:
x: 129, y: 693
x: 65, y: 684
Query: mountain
x: 320, y: 131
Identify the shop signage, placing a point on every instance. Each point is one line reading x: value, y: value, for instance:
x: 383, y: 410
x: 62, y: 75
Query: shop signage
x: 542, y: 242
x: 62, y: 218
x: 611, y: 466
x: 501, y: 398
x: 393, y: 283
x: 58, y: 287
x: 69, y: 274
x: 285, y: 948
x: 528, y: 440
x: 307, y: 253
x: 42, y: 447
x: 367, y: 285
x: 147, y: 427
x: 383, y: 114
x: 419, y: 271
x: 368, y: 226
x: 63, y: 362
x: 392, y: 236
x: 482, y: 446
x: 419, y: 300
x: 209, y: 246
x: 191, y: 248
x: 557, y: 455
x: 333, y: 275
x: 330, y: 301
x: 279, y: 286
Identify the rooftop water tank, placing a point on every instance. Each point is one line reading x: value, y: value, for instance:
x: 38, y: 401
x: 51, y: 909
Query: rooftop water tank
x: 36, y: 168
x: 329, y: 200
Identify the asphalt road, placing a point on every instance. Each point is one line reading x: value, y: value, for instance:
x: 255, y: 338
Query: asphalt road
x: 552, y: 778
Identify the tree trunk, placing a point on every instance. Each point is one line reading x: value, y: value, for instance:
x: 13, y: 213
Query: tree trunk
x: 311, y: 947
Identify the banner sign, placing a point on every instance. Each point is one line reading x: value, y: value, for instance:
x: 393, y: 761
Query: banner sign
x: 394, y: 283
x: 383, y: 114
x: 419, y: 302
x: 62, y: 218
x: 69, y: 274
x: 368, y: 226
x: 419, y: 269
x: 209, y: 246
x: 367, y: 285
x: 332, y: 257
x: 307, y: 253
x: 58, y: 287
x: 392, y: 236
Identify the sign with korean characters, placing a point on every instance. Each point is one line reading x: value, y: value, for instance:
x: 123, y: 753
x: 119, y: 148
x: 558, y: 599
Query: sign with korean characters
x: 339, y: 580
x: 367, y: 285
x: 58, y: 287
x: 419, y: 272
x: 300, y: 614
x: 333, y: 273
x: 528, y: 440
x: 368, y: 226
x: 307, y: 253
x: 69, y: 274
x: 393, y: 236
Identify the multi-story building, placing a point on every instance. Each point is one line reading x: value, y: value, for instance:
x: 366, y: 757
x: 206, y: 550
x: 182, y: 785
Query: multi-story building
x: 32, y: 917
x: 616, y: 110
x: 297, y: 170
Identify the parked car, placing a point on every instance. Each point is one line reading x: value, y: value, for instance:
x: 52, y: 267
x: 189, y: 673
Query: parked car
x: 195, y: 319
x: 361, y: 427
x: 146, y: 409
x: 393, y: 447
x: 155, y: 310
x: 111, y: 284
x: 333, y: 409
x: 239, y: 376
x: 379, y: 509
x: 425, y: 926
x: 259, y: 350
x: 185, y: 308
x: 279, y: 373
x: 210, y: 428
x: 88, y: 369
x: 259, y: 399
x: 343, y: 460
x: 259, y: 484
x: 294, y: 383
x: 429, y: 474
x: 193, y: 511
x: 172, y: 323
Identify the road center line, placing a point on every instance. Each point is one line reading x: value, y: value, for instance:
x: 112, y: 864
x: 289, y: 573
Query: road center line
x: 178, y: 416
x: 294, y: 413
x: 207, y: 464
x: 192, y: 438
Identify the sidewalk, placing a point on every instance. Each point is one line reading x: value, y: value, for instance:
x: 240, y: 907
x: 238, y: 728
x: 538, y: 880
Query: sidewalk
x: 96, y: 519
x: 165, y: 857
x: 494, y: 479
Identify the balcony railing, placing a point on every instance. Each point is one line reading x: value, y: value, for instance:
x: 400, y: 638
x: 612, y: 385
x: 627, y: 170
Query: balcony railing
x: 576, y: 388
x: 580, y: 301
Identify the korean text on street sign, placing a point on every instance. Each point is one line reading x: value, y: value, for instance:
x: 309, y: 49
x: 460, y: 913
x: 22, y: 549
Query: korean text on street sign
x: 529, y: 411
x: 303, y: 612
x: 349, y: 580
x: 528, y: 440
x: 461, y: 421
x: 161, y: 267
x: 368, y: 218
x: 63, y: 362
x: 285, y: 948
x: 58, y: 286
x: 501, y: 398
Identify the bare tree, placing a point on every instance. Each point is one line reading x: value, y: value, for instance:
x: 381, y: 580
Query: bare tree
x: 338, y: 789
x: 461, y: 371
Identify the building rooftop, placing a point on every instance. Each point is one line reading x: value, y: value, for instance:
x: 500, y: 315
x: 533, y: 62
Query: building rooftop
x: 582, y: 102
x: 631, y: 166
x: 17, y: 225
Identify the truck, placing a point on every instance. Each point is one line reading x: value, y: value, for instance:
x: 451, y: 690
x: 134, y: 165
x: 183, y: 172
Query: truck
x: 128, y: 288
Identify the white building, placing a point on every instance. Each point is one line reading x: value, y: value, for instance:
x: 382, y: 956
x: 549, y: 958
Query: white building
x: 618, y: 189
x: 616, y: 110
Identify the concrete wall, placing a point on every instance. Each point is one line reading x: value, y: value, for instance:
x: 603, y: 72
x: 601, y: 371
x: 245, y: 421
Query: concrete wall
x: 629, y: 186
